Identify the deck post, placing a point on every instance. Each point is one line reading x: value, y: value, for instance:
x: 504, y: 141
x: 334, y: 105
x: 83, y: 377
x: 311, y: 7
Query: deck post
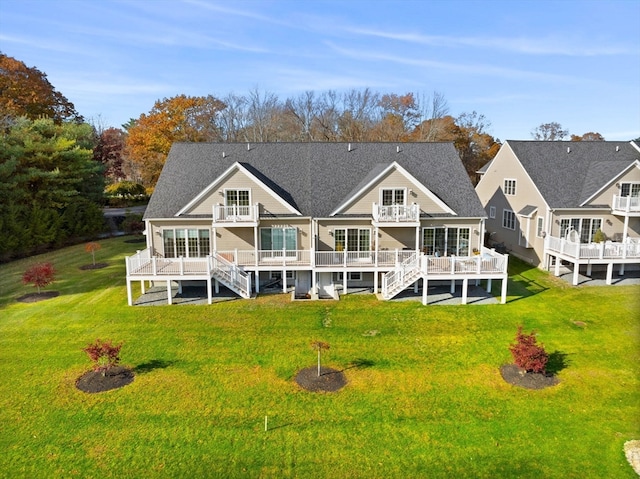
x: 375, y: 281
x: 425, y: 283
x: 489, y: 285
x: 284, y: 280
x: 345, y: 275
x: 257, y: 275
x: 179, y: 286
x: 609, y: 272
x: 503, y: 296
x: 142, y: 287
x: 589, y: 269
x: 557, y: 266
x: 453, y: 286
x: 217, y: 286
x: 465, y: 286
x: 621, y: 272
x: 576, y: 273
x: 129, y: 299
x: 209, y: 296
x: 169, y: 298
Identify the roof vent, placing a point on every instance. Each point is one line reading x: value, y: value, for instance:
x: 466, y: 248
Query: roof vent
x: 398, y: 149
x: 248, y: 147
x: 617, y: 147
x: 568, y: 149
x: 223, y: 155
x: 349, y: 147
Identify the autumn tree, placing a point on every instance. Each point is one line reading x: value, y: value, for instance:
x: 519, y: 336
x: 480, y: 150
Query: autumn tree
x: 92, y: 247
x: 25, y: 91
x: 109, y: 151
x: 549, y: 132
x: 589, y: 136
x: 39, y: 275
x: 180, y: 118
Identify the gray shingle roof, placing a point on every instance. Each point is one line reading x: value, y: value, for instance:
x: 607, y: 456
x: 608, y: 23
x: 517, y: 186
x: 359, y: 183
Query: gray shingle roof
x: 569, y: 172
x: 314, y: 177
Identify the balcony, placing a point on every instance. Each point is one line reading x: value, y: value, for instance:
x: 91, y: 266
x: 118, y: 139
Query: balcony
x: 625, y: 205
x: 229, y: 216
x: 396, y: 215
x: 607, y: 251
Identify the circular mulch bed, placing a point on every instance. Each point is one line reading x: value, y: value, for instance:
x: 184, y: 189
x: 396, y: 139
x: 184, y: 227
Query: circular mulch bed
x: 330, y: 380
x: 35, y: 297
x: 95, y: 382
x: 94, y: 266
x: 514, y: 375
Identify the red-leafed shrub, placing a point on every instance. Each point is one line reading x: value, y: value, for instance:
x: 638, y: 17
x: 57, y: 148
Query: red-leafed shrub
x: 527, y: 354
x: 39, y: 275
x: 103, y: 354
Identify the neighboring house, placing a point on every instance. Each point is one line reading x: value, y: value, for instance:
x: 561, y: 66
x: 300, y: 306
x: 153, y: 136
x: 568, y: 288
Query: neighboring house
x: 555, y: 201
x: 317, y: 217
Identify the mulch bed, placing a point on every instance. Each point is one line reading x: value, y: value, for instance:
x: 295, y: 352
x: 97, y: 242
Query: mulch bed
x: 35, y: 297
x: 514, y: 375
x: 95, y: 382
x: 94, y: 266
x: 330, y: 380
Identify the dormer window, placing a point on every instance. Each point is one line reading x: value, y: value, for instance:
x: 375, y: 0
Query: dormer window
x: 393, y: 196
x: 509, y: 187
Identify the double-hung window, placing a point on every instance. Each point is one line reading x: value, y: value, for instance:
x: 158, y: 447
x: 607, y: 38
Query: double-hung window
x: 508, y: 219
x: 509, y: 187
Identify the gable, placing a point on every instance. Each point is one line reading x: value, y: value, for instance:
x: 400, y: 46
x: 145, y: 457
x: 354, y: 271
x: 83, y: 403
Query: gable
x: 604, y: 195
x: 237, y: 177
x: 391, y: 178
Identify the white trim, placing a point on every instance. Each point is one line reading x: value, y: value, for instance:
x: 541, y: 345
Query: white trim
x: 515, y: 219
x: 492, y: 212
x: 407, y: 175
x: 215, y: 184
x: 608, y: 184
x: 504, y: 186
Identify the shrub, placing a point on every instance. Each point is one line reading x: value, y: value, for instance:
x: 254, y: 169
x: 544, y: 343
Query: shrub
x: 39, y: 275
x: 527, y: 354
x: 103, y: 354
x: 599, y: 236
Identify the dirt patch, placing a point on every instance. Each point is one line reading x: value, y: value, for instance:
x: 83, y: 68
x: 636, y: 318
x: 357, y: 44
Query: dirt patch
x: 35, y: 297
x: 94, y: 266
x: 330, y: 380
x: 96, y: 382
x: 514, y: 375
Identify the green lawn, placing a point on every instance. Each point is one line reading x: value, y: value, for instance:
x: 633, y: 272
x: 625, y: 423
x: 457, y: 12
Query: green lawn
x: 424, y: 396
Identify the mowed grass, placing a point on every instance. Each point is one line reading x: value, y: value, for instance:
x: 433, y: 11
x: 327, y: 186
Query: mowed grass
x: 424, y: 396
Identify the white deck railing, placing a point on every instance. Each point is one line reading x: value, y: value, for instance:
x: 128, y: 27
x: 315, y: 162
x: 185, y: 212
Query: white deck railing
x: 627, y: 204
x: 605, y: 250
x: 231, y: 275
x: 396, y: 213
x: 235, y: 214
x: 397, y: 279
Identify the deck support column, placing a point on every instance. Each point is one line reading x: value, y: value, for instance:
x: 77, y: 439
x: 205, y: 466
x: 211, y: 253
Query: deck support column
x: 465, y: 285
x: 489, y: 285
x: 209, y: 295
x: 179, y: 287
x: 217, y: 286
x: 284, y: 280
x: 143, y: 286
x: 557, y: 266
x: 257, y: 275
x: 588, y: 269
x: 503, y: 296
x: 129, y: 298
x: 169, y: 298
x: 621, y: 272
x: 609, y: 272
x: 345, y: 275
x: 452, y: 290
x: 576, y: 273
x: 375, y: 282
x: 425, y: 283
x: 415, y: 287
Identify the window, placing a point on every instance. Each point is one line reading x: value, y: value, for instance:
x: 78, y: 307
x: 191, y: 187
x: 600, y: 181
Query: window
x: 508, y: 219
x: 190, y: 243
x: 509, y: 187
x: 278, y: 275
x: 540, y: 226
x: 393, y: 196
x: 586, y: 227
x: 630, y: 189
x: 278, y: 239
x: 239, y: 202
x: 352, y: 239
x: 351, y: 276
x: 446, y: 241
x: 492, y: 211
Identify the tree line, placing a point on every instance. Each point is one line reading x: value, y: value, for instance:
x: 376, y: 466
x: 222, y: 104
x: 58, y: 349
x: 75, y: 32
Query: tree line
x: 54, y: 165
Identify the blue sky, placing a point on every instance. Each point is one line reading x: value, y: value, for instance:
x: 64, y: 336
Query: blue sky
x: 520, y: 63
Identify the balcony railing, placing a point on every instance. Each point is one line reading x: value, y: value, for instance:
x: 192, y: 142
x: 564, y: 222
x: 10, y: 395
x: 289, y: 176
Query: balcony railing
x: 626, y: 204
x: 235, y: 214
x: 606, y: 250
x: 396, y: 213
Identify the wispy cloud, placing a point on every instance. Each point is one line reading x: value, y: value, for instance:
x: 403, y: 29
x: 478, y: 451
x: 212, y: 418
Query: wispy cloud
x: 538, y: 46
x: 43, y: 44
x: 477, y: 69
